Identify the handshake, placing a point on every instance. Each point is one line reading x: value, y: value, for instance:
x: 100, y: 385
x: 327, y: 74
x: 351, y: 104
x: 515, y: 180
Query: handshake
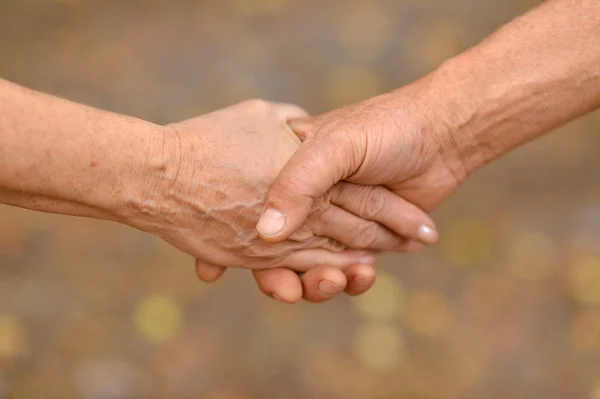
x: 265, y: 186
x: 305, y: 202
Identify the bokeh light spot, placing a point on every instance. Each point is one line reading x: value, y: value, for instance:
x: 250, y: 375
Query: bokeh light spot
x: 158, y: 318
x: 585, y: 281
x: 382, y: 302
x: 427, y: 313
x: 596, y: 392
x: 12, y: 337
x: 466, y: 242
x: 532, y: 256
x: 379, y: 347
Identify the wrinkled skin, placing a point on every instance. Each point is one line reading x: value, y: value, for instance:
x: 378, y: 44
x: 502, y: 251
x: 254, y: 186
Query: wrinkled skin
x: 213, y: 194
x: 393, y: 140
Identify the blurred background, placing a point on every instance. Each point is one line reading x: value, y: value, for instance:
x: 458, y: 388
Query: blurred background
x: 507, y: 305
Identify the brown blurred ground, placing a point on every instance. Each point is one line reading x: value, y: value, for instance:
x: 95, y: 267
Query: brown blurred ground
x: 506, y: 306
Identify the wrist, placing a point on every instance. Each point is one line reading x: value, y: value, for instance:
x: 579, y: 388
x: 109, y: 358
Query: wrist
x: 454, y: 91
x: 148, y: 162
x: 533, y: 75
x: 444, y: 104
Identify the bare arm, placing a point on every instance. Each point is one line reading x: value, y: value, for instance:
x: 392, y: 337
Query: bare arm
x: 536, y: 73
x: 198, y: 184
x: 61, y: 157
x: 184, y: 183
x: 423, y: 140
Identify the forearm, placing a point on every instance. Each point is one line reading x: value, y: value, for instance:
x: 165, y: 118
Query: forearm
x: 61, y: 157
x: 534, y: 74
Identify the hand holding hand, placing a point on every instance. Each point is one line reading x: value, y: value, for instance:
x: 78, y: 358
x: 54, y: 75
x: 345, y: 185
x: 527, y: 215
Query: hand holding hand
x: 397, y: 140
x: 209, y: 201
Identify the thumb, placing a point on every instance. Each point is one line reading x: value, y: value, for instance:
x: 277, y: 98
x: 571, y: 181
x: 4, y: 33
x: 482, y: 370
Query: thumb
x: 309, y: 173
x: 301, y: 126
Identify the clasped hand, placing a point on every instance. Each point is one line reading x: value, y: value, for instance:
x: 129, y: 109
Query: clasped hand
x: 211, y: 197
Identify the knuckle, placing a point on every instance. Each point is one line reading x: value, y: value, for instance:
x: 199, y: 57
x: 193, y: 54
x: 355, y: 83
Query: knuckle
x: 372, y: 204
x: 316, y: 226
x: 336, y: 135
x: 321, y: 204
x: 332, y: 245
x: 286, y: 191
x: 257, y: 103
x: 290, y: 186
x: 341, y: 192
x: 255, y: 251
x: 366, y: 235
x: 294, y: 108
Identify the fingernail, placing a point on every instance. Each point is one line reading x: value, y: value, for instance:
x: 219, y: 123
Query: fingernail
x: 366, y: 260
x: 427, y: 235
x: 327, y: 288
x: 271, y: 223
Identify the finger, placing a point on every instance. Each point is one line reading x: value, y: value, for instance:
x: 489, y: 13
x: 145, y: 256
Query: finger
x: 360, y: 279
x: 379, y: 204
x: 208, y: 272
x: 323, y: 283
x: 301, y: 126
x: 311, y: 171
x: 288, y: 112
x: 307, y: 259
x: 357, y: 233
x: 282, y: 284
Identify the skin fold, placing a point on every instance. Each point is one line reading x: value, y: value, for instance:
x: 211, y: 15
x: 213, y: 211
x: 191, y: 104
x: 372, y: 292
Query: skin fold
x: 199, y: 184
x: 258, y: 142
x: 423, y: 140
x: 360, y: 181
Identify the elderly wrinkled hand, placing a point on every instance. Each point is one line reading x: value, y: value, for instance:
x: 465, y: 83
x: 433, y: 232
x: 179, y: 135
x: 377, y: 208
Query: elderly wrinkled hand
x: 423, y: 140
x: 392, y: 140
x: 212, y: 194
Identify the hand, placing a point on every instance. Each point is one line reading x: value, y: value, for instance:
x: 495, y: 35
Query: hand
x: 210, y: 200
x: 397, y: 140
x: 422, y: 141
x: 316, y: 285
